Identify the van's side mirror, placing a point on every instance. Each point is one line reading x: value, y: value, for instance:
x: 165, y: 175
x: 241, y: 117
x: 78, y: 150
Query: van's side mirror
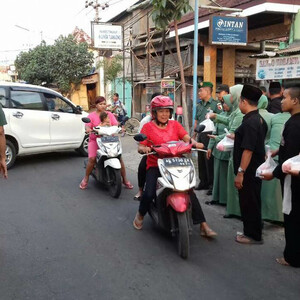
x: 78, y: 109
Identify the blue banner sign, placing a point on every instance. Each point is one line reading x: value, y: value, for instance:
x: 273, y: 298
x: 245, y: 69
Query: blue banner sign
x: 228, y: 30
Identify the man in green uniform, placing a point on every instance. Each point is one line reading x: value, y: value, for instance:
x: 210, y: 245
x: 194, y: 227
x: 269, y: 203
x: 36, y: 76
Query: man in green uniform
x: 3, y: 169
x: 207, y: 103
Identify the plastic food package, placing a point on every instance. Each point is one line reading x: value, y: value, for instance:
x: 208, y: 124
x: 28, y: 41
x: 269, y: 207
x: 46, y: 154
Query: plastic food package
x: 226, y: 144
x: 292, y: 164
x: 209, y: 125
x: 267, y: 167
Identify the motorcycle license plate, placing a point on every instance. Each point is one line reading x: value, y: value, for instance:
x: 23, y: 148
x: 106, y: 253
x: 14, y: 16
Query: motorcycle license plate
x: 109, y: 139
x: 177, y: 162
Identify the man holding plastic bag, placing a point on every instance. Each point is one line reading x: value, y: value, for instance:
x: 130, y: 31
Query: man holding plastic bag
x: 206, y: 104
x: 288, y: 171
x: 248, y: 155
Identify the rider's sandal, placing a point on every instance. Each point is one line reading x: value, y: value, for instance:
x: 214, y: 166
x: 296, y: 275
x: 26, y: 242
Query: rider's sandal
x: 209, y: 233
x: 83, y: 184
x: 128, y: 185
x: 137, y: 223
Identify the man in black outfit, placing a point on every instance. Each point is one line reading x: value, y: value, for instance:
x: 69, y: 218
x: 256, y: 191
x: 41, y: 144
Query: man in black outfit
x: 275, y: 97
x: 290, y: 147
x: 248, y: 155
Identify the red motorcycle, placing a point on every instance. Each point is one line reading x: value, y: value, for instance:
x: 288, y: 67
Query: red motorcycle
x: 171, y: 209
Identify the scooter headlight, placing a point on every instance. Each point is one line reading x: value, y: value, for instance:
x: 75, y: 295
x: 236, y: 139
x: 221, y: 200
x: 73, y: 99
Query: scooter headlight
x: 167, y: 174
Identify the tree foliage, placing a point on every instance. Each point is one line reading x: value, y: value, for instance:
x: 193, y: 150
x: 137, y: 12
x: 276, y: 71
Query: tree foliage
x: 63, y: 63
x: 112, y: 67
x: 167, y: 11
x: 164, y: 12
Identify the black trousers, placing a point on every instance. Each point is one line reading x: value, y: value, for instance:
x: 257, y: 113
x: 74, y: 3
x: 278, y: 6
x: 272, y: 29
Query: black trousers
x: 292, y: 232
x: 205, y: 166
x: 142, y: 172
x: 150, y: 191
x: 250, y: 204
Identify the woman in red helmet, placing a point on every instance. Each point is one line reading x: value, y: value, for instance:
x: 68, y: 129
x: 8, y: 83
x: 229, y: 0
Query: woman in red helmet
x: 161, y: 130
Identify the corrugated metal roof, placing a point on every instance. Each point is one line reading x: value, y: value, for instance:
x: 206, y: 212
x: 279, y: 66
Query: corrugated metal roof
x: 291, y: 49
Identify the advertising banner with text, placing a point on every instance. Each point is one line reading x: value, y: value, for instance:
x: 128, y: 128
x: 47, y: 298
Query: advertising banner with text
x: 278, y: 68
x: 108, y: 36
x: 228, y: 30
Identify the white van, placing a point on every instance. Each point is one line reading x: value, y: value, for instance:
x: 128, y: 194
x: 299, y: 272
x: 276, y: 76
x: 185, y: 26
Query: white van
x: 40, y: 120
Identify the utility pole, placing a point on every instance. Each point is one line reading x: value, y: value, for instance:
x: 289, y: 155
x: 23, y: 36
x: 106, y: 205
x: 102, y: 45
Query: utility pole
x: 95, y: 5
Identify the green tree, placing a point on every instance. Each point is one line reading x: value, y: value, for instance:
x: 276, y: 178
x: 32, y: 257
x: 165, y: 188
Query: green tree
x: 70, y: 61
x: 112, y: 67
x: 63, y: 64
x: 165, y: 12
x: 34, y: 66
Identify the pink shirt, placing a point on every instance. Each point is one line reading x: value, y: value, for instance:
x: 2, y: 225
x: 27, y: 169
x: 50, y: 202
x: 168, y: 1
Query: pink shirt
x: 95, y: 121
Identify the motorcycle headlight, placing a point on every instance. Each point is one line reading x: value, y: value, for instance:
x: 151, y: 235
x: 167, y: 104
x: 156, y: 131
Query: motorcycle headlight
x: 192, y: 174
x: 167, y: 174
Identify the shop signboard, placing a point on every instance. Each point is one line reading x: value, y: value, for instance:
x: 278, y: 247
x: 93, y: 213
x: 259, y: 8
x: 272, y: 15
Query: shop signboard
x: 228, y: 30
x: 107, y: 36
x: 287, y: 67
x: 168, y: 84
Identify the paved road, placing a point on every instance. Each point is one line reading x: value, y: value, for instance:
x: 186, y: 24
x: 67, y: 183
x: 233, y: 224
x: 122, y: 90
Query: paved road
x: 58, y: 242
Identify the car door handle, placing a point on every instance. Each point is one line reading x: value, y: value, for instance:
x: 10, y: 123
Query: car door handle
x: 18, y: 115
x: 55, y: 117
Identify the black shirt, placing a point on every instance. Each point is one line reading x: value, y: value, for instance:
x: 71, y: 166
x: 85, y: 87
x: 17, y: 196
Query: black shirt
x: 250, y: 136
x: 290, y: 143
x: 274, y: 105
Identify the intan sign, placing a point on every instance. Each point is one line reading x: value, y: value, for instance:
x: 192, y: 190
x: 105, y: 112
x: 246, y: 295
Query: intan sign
x: 278, y: 68
x: 107, y: 36
x: 228, y: 31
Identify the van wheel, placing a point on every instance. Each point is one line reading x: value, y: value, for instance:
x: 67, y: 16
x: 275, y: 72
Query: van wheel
x: 83, y: 149
x: 10, y: 153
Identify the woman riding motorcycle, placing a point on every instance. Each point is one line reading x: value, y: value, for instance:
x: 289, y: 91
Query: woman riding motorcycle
x: 162, y: 130
x: 92, y: 146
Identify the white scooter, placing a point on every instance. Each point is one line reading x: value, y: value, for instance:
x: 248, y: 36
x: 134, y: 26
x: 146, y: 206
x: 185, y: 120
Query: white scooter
x: 108, y: 167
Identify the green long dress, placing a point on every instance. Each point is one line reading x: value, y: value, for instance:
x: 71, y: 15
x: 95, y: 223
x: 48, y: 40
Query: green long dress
x: 271, y: 193
x: 262, y: 109
x: 220, y: 163
x: 232, y: 122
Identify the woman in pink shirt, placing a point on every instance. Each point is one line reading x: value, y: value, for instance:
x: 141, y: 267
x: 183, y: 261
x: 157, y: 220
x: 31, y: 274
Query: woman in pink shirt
x: 92, y: 146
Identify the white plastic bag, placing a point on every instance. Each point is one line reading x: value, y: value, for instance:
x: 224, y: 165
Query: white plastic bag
x: 226, y: 144
x: 209, y: 125
x: 292, y: 164
x: 267, y: 167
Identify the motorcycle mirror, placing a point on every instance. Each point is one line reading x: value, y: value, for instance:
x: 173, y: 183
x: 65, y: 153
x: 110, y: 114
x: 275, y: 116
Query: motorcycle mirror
x: 199, y: 128
x: 140, y: 137
x: 86, y: 120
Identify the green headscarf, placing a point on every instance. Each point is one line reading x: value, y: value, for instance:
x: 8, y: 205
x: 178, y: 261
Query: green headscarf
x: 262, y: 102
x: 235, y: 92
x: 227, y: 101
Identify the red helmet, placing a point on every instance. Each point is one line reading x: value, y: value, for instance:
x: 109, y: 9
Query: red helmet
x: 161, y: 102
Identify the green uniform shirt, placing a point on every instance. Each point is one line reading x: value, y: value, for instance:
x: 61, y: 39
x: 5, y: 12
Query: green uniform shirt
x: 203, y: 108
x: 2, y: 117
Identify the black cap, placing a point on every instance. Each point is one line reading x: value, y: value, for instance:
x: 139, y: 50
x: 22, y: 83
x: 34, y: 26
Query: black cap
x: 222, y: 87
x: 275, y: 85
x: 251, y: 92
